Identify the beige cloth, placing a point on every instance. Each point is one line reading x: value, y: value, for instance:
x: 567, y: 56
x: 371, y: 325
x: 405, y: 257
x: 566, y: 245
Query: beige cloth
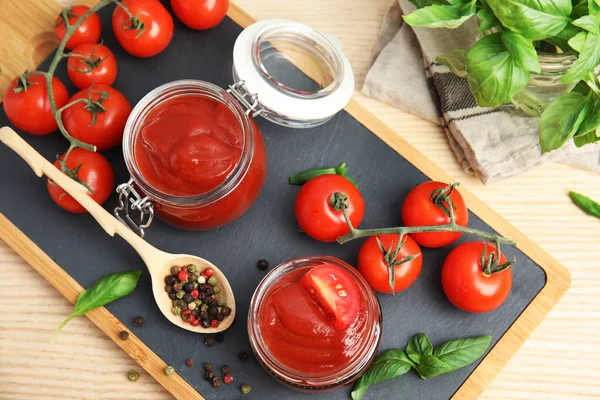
x: 488, y: 142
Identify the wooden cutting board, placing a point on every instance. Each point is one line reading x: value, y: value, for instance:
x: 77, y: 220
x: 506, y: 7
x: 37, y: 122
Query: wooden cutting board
x: 39, y: 45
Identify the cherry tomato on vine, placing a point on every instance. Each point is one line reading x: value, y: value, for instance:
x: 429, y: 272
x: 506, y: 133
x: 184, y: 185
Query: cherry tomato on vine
x: 111, y: 115
x: 88, y: 32
x: 419, y: 209
x: 315, y: 214
x: 200, y: 14
x: 27, y: 106
x: 92, y: 63
x: 93, y: 170
x: 466, y: 284
x: 149, y: 32
x: 374, y: 266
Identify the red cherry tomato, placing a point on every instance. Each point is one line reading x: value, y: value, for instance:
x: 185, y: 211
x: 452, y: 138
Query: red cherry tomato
x: 153, y: 37
x: 200, y: 14
x: 335, y: 293
x: 419, y: 210
x: 88, y: 32
x: 107, y: 132
x: 94, y: 171
x: 98, y: 66
x: 28, y: 109
x: 372, y: 264
x: 317, y: 217
x: 465, y: 284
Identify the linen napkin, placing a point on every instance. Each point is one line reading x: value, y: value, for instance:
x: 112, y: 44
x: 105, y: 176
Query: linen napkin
x: 488, y: 142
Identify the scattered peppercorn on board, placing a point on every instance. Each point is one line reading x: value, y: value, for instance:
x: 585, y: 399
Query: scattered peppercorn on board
x: 386, y: 168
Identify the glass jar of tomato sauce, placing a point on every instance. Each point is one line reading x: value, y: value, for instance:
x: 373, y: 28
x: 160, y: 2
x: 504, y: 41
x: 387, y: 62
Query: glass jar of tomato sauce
x: 303, y: 345
x: 194, y: 153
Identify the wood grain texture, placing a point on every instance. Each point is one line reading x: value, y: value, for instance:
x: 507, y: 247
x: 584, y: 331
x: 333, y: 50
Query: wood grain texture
x: 559, y: 361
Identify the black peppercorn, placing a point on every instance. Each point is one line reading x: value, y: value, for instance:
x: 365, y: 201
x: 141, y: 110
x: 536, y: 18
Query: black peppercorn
x: 188, y: 287
x: 209, y: 300
x: 189, y: 363
x: 206, y: 323
x: 220, y: 337
x: 177, y: 287
x: 243, y: 356
x: 202, y: 287
x: 195, y: 313
x: 182, y: 304
x: 262, y: 264
x: 175, y: 270
x: 124, y: 335
x: 139, y: 321
x: 220, y: 317
x: 207, y: 366
x: 204, y: 314
x: 212, y: 312
x: 170, y: 280
x: 172, y: 295
x: 202, y: 296
x: 225, y: 311
x: 193, y: 278
x: 210, y: 291
x: 209, y: 375
x: 225, y: 370
x: 210, y: 339
x: 216, y: 382
x: 188, y: 298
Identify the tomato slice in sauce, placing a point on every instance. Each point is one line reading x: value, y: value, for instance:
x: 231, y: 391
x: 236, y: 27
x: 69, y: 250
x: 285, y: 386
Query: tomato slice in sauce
x: 334, y: 291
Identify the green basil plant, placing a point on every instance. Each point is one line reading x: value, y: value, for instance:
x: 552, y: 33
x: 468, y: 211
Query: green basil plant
x: 499, y: 65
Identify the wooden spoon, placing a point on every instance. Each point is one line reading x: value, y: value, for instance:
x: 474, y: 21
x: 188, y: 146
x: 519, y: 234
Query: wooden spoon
x: 158, y: 262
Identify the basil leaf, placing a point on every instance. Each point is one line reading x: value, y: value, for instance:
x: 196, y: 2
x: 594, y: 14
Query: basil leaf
x: 588, y: 205
x: 431, y: 366
x: 425, y: 3
x: 534, y: 19
x: 578, y: 41
x: 594, y: 8
x: 589, y: 23
x: 589, y: 57
x: 418, y: 346
x: 456, y: 61
x: 107, y: 289
x: 493, y: 76
x: 487, y: 18
x: 441, y: 16
x: 387, y: 365
x: 522, y: 51
x: 586, y: 138
x: 580, y: 8
x: 592, y: 119
x: 561, y: 119
x: 561, y: 39
x: 462, y: 352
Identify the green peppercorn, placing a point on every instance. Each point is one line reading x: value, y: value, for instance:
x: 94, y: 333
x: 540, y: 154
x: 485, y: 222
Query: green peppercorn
x: 133, y: 375
x: 168, y: 288
x: 217, y: 289
x: 176, y: 310
x: 198, y: 302
x: 169, y: 370
x: 191, y: 306
x: 180, y: 294
x: 209, y: 375
x: 209, y: 340
x: 195, y: 285
x: 207, y: 367
x: 216, y: 382
x: 212, y: 281
x: 192, y: 268
x: 139, y: 321
x: 204, y: 307
x: 175, y: 270
x: 221, y: 302
x: 177, y: 287
x: 245, y: 389
x: 124, y: 335
x: 225, y: 370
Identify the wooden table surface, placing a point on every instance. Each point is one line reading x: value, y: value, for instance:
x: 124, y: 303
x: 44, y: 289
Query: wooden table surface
x: 561, y: 359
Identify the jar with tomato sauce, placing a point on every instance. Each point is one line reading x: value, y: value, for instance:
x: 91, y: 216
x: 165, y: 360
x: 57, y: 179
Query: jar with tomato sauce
x: 194, y: 153
x: 314, y: 323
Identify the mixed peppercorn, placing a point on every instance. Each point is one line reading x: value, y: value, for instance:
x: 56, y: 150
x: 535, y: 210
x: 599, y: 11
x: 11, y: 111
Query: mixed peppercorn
x: 196, y: 296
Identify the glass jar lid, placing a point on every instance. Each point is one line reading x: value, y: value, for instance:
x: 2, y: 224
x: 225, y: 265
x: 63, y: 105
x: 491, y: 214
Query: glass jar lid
x: 290, y: 74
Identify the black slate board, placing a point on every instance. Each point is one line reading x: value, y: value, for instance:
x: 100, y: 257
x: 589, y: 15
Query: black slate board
x: 267, y: 231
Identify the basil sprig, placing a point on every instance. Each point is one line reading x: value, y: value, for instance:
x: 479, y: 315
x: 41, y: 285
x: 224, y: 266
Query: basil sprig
x: 588, y: 205
x: 300, y: 178
x: 421, y: 356
x: 104, y: 291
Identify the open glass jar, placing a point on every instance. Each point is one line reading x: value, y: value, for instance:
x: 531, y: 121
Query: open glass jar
x: 288, y: 349
x: 284, y: 71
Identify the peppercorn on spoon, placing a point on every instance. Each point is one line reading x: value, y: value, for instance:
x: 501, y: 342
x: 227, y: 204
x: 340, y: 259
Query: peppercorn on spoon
x: 158, y: 262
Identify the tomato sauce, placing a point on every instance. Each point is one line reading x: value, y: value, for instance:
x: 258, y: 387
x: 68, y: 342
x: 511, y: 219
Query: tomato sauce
x: 190, y: 145
x: 300, y: 336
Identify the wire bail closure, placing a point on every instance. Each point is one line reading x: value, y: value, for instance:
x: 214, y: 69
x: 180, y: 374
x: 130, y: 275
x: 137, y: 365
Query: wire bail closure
x: 129, y: 198
x: 248, y: 99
